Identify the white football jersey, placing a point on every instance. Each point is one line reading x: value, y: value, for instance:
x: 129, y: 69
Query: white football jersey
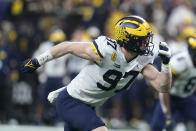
x: 185, y: 72
x: 177, y: 47
x: 96, y: 83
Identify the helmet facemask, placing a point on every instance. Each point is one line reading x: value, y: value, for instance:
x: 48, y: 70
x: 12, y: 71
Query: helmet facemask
x: 142, y: 45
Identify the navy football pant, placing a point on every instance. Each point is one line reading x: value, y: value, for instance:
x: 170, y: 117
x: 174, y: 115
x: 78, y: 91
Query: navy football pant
x: 77, y: 115
x: 182, y: 109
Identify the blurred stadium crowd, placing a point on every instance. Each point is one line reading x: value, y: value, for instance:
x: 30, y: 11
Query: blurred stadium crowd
x: 25, y: 25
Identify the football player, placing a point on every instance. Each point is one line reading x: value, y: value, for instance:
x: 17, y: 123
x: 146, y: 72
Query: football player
x: 113, y: 66
x: 180, y: 102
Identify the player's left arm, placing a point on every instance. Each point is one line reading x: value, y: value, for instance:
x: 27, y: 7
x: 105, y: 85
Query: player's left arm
x: 161, y: 81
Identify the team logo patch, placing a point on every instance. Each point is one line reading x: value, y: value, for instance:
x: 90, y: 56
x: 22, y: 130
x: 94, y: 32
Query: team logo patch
x: 29, y: 64
x: 113, y: 57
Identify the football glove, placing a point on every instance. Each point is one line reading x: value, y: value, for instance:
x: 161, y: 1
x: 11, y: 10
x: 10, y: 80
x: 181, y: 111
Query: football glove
x: 169, y: 124
x: 54, y: 94
x: 29, y: 65
x: 164, y: 52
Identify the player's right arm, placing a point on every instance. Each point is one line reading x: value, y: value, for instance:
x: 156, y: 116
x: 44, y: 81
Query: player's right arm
x: 81, y: 49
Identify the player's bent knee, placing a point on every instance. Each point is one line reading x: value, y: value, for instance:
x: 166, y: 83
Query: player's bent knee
x: 102, y: 128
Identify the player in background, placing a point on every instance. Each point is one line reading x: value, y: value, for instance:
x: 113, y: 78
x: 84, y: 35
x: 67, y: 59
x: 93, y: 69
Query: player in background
x: 180, y: 102
x: 51, y: 75
x: 113, y: 66
x: 179, y: 44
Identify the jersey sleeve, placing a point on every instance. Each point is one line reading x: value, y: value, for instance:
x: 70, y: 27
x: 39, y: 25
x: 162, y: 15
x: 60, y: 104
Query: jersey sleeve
x: 178, y: 64
x: 99, y: 46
